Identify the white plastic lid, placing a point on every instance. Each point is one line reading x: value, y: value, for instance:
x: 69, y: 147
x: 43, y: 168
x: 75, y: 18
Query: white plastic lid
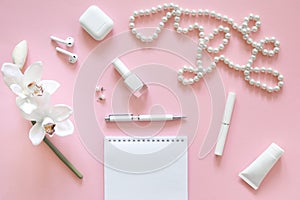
x: 275, y: 151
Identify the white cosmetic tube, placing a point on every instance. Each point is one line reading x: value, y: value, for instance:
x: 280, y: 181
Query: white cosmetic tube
x: 255, y: 173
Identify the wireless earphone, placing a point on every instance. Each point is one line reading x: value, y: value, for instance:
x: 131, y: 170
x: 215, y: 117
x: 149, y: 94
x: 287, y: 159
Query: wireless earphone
x: 69, y: 41
x: 72, y: 56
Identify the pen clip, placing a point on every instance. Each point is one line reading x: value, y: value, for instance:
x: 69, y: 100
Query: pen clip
x: 120, y: 114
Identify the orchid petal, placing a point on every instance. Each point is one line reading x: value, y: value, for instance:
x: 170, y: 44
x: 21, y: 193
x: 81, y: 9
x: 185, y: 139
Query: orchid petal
x: 36, y: 134
x: 11, y: 74
x: 50, y: 86
x: 19, y: 54
x: 60, y: 112
x: 64, y: 128
x: 27, y: 108
x: 18, y: 90
x: 33, y: 73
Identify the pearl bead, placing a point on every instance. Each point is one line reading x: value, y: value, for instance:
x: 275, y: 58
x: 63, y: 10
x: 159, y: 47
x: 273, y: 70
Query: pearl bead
x: 209, y: 49
x: 200, y: 12
x: 221, y: 46
x: 199, y: 62
x: 131, y: 18
x: 169, y: 15
x: 196, y: 79
x: 264, y: 86
x: 131, y: 25
x: 265, y: 52
x: 138, y: 36
x: 230, y: 21
x: 257, y: 84
x: 277, y: 44
x: 158, y: 30
x: 185, y: 30
x: 256, y: 69
x: 179, y: 30
x: 213, y: 65
x: 247, y: 78
x: 199, y: 74
x: 177, y: 12
x: 180, y: 78
x: 227, y: 35
x: 135, y: 13
x: 147, y: 12
x: 141, y: 12
x: 185, y: 68
x: 187, y: 11
x: 269, y: 70
x: 161, y: 24
x: 190, y: 69
x: 206, y: 12
x: 191, y: 27
x: 280, y: 77
x: 177, y: 19
x: 275, y: 73
x: 258, y: 24
x: 271, y: 53
x: 164, y: 19
x: 133, y: 31
x: 280, y: 83
x: 254, y: 51
x: 176, y: 25
x: 194, y: 12
x: 225, y: 18
x: 276, y: 49
x: 159, y: 8
x: 225, y: 41
x: 235, y: 26
x: 276, y: 88
x: 201, y: 34
x: 270, y: 89
x: 180, y: 71
x: 153, y: 10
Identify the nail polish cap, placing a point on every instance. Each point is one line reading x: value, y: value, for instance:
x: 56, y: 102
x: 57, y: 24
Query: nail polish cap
x: 121, y: 68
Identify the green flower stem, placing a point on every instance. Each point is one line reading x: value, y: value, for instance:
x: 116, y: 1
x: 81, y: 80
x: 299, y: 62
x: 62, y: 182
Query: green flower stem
x: 62, y: 157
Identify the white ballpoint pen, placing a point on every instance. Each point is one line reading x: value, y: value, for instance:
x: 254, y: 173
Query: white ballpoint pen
x: 130, y: 117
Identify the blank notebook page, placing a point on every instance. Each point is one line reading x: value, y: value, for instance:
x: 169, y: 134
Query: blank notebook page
x: 145, y: 169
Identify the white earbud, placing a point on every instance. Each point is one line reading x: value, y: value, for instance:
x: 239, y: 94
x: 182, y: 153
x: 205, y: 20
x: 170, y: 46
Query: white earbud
x: 72, y: 56
x: 69, y: 41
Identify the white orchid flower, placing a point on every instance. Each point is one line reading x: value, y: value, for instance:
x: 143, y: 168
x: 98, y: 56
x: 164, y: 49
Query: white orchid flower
x: 28, y: 86
x: 50, y: 120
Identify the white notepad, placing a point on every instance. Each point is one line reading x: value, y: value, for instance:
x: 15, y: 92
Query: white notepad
x: 145, y: 168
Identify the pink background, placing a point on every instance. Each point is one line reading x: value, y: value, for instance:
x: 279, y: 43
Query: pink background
x: 259, y: 118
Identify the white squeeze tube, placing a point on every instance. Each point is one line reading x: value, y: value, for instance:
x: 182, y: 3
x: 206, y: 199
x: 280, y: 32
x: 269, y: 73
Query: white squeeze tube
x: 255, y: 173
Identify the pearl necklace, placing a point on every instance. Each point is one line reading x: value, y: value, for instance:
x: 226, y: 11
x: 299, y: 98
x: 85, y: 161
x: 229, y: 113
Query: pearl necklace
x: 174, y: 11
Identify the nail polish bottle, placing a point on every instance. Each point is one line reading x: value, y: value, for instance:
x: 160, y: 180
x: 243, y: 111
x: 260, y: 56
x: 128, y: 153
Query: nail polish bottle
x: 132, y: 81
